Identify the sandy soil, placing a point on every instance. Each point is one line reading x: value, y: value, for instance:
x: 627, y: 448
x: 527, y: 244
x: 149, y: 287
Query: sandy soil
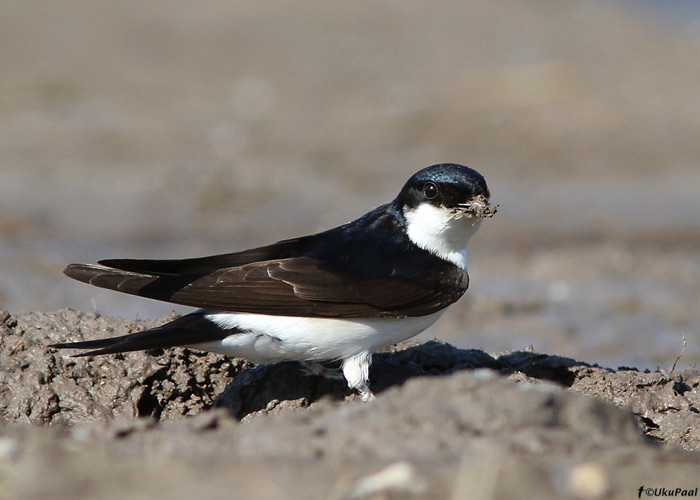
x: 446, y: 423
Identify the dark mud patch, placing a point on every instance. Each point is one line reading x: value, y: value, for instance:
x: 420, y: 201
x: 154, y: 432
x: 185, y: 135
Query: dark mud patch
x: 46, y: 386
x: 447, y: 423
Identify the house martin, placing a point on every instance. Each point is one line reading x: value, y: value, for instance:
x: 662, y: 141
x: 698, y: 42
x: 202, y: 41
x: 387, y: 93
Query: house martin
x: 336, y: 295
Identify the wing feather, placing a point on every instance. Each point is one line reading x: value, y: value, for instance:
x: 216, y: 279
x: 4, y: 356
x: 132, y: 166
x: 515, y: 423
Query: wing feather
x: 298, y: 286
x: 204, y: 265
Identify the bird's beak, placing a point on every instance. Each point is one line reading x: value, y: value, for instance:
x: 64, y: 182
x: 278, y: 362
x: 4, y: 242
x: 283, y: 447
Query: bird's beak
x: 477, y: 207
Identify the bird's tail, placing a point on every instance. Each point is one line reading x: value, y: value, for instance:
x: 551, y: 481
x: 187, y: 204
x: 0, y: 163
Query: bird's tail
x: 187, y: 330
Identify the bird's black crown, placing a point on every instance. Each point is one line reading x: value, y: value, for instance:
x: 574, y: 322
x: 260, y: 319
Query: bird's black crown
x: 446, y: 184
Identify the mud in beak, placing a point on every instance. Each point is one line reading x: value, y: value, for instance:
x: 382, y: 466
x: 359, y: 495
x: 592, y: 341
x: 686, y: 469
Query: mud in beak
x: 477, y: 207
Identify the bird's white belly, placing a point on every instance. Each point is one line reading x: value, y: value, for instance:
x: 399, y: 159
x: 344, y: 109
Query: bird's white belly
x: 266, y: 338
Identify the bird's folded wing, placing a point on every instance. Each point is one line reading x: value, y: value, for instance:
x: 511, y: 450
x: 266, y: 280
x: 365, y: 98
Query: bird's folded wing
x: 293, y: 287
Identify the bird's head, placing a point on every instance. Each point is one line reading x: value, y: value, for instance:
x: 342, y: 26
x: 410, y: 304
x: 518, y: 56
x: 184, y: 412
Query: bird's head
x: 443, y: 206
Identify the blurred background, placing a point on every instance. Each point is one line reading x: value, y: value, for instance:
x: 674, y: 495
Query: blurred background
x: 169, y: 129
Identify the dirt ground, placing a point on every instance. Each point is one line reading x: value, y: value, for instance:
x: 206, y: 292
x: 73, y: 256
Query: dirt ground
x: 447, y: 423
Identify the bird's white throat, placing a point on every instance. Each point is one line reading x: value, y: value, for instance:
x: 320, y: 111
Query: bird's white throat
x: 441, y: 231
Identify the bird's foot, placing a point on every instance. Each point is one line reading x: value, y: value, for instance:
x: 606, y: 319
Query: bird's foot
x: 356, y: 371
x: 365, y: 393
x: 317, y: 369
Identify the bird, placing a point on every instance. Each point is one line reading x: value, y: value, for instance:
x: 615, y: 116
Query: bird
x: 337, y: 295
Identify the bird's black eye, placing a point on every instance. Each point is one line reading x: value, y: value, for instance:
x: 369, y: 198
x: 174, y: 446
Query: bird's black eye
x: 430, y: 190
